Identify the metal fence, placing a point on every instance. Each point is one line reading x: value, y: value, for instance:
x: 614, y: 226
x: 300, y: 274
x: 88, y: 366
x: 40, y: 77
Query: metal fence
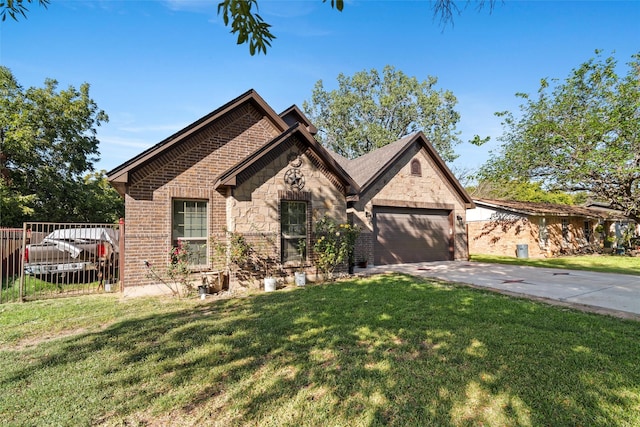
x: 48, y: 260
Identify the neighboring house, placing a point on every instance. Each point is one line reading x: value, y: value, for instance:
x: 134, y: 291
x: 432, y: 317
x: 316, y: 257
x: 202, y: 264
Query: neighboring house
x: 497, y: 227
x: 243, y: 168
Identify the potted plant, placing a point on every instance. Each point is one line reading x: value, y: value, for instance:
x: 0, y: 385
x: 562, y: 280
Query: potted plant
x: 269, y: 283
x: 300, y: 275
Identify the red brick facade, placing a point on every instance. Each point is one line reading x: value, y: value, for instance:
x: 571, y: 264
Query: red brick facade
x: 185, y: 172
x: 236, y: 159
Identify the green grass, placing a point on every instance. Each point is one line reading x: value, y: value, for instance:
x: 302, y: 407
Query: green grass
x: 386, y: 350
x: 38, y: 288
x: 600, y: 263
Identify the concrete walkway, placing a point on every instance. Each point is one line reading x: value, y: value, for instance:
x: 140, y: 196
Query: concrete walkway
x: 606, y: 293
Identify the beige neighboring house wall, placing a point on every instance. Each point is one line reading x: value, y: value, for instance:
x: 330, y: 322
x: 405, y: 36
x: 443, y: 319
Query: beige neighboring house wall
x: 497, y: 227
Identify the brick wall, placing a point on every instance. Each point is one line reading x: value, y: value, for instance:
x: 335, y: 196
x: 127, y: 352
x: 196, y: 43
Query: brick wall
x: 501, y: 235
x: 187, y: 170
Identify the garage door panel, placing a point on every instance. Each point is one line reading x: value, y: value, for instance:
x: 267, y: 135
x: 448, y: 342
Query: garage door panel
x: 411, y: 235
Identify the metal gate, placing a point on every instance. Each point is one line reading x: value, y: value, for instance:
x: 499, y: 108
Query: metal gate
x: 48, y: 260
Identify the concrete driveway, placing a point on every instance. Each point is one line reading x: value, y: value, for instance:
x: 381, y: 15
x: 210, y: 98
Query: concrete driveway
x: 607, y: 293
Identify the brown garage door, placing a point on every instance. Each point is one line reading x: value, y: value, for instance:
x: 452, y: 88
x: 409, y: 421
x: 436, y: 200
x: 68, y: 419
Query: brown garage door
x: 411, y: 235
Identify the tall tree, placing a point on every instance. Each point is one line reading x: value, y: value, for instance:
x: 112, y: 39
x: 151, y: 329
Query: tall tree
x: 47, y: 144
x: 581, y: 134
x: 97, y: 200
x: 369, y: 110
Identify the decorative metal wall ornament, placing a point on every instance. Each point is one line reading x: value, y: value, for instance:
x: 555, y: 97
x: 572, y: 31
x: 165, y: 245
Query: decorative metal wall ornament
x: 294, y: 159
x: 294, y: 178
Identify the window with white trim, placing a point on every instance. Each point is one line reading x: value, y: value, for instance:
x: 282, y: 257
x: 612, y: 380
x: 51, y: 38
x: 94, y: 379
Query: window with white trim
x: 543, y: 233
x: 189, y: 225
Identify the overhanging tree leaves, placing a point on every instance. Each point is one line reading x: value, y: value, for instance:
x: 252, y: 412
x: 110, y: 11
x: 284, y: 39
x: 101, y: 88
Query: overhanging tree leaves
x: 16, y: 8
x: 582, y: 134
x: 252, y: 29
x: 48, y: 143
x: 369, y: 110
x: 249, y: 26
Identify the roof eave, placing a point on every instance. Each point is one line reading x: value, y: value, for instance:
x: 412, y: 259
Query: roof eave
x: 420, y: 136
x: 149, y: 154
x: 591, y: 215
x: 228, y: 178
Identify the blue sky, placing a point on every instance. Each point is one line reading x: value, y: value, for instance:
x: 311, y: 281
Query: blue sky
x: 156, y: 66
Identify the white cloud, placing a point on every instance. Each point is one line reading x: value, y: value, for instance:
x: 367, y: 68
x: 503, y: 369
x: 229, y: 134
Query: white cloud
x: 108, y: 141
x: 165, y: 129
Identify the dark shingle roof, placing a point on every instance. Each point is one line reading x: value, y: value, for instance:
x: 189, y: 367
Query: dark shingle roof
x: 363, y: 168
x: 539, y: 208
x: 367, y: 168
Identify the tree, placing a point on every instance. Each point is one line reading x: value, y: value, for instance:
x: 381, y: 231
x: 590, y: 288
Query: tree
x: 16, y: 8
x: 97, y: 200
x: 522, y: 191
x: 582, y: 134
x: 47, y: 144
x: 249, y: 26
x: 368, y: 111
x: 252, y: 29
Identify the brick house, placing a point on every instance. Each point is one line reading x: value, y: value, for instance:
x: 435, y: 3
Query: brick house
x: 244, y: 168
x: 496, y: 227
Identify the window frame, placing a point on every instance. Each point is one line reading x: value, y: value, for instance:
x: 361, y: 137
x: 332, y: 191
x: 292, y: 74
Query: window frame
x: 416, y: 168
x: 566, y: 238
x: 588, y: 230
x: 202, y: 217
x: 287, y: 256
x: 543, y: 232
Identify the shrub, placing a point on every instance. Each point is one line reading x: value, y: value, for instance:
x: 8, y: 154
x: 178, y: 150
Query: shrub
x: 334, y: 244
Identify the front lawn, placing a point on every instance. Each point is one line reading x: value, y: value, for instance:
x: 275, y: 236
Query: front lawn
x: 600, y: 263
x: 386, y: 350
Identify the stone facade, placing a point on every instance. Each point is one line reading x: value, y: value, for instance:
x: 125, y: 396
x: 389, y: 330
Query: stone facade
x: 236, y: 160
x: 399, y: 187
x: 254, y: 205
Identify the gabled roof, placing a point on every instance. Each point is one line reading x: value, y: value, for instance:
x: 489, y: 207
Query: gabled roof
x: 539, y: 209
x: 293, y: 115
x: 119, y: 175
x: 357, y: 175
x: 229, y: 178
x: 366, y: 169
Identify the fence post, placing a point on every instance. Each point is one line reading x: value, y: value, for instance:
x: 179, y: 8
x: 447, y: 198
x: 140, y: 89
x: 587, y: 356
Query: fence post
x: 121, y: 254
x: 4, y: 247
x: 23, y: 248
